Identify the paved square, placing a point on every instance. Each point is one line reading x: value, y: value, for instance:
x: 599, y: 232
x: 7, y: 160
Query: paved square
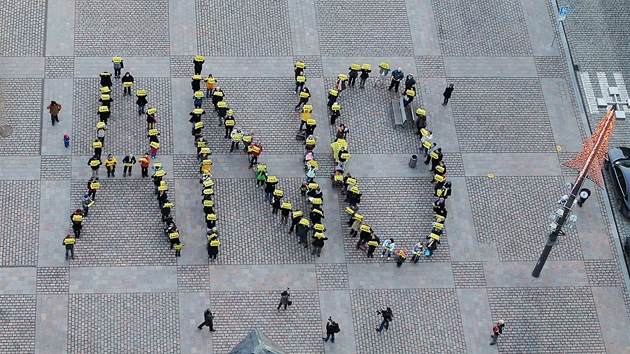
x: 17, y: 332
x: 20, y: 217
x: 23, y: 26
x: 24, y: 115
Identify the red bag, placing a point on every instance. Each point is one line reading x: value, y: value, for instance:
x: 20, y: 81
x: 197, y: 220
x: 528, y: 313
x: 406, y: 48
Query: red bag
x: 495, y: 330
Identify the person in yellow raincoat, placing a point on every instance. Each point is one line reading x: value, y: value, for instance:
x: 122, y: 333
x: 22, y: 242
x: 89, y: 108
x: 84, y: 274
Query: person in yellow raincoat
x: 336, y: 146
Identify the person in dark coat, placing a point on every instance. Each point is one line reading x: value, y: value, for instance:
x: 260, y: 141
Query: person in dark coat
x: 318, y: 243
x: 208, y: 318
x: 447, y: 94
x: 284, y: 299
x: 302, y: 232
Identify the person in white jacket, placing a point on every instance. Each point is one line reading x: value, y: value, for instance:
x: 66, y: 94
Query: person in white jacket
x: 388, y: 247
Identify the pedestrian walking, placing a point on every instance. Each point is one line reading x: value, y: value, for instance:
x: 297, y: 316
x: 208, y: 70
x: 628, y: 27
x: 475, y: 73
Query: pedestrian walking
x: 118, y: 65
x: 426, y: 143
x: 127, y: 82
x: 383, y: 71
x: 208, y: 319
x: 436, y: 157
x: 300, y: 80
x: 103, y: 114
x: 237, y: 136
x: 302, y: 231
x: 151, y: 120
x: 101, y: 131
x: 69, y: 243
x: 583, y: 196
x: 318, y: 243
x: 178, y: 249
x: 388, y: 248
x: 447, y: 94
x: 372, y: 244
x: 397, y: 76
x: 106, y: 79
x: 497, y: 330
x: 154, y: 147
x: 195, y: 84
x: 366, y: 69
x: 421, y: 121
x: 285, y: 210
x: 276, y: 201
x: 54, y: 108
x: 284, y: 299
x: 106, y: 100
x: 77, y: 219
x: 92, y: 186
x: 270, y: 186
x: 95, y: 163
x: 141, y: 101
x: 296, y: 216
x: 86, y: 203
x: 305, y: 94
x: 401, y: 256
x: 353, y: 73
x: 145, y: 161
x: 388, y: 316
x: 213, y: 245
x: 410, y: 82
x: 210, y: 82
x: 198, y: 64
x: 66, y: 140
x: 332, y: 328
x: 128, y: 162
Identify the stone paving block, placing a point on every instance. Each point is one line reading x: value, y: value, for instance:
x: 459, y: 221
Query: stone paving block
x: 340, y: 34
x: 367, y: 113
x: 126, y: 130
x: 551, y: 67
x: 238, y: 203
x: 23, y: 28
x: 519, y: 224
x: 480, y: 28
x: 264, y: 106
x: 59, y: 68
x: 486, y: 122
x: 430, y: 66
x: 23, y: 114
x: 404, y: 217
x: 20, y: 218
x: 331, y: 276
x: 454, y: 164
x: 423, y: 327
x: 150, y: 323
x: 546, y: 320
x: 185, y: 166
x: 53, y: 280
x: 114, y: 235
x: 182, y: 66
x: 134, y: 31
x: 17, y: 328
x: 237, y: 313
x: 468, y: 275
x: 56, y: 167
x: 603, y: 272
x: 251, y: 31
x: 193, y: 278
x: 313, y: 63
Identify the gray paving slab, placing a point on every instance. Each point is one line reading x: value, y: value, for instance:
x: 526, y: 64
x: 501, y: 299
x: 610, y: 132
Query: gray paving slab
x: 387, y: 165
x: 22, y: 280
x: 589, y: 225
x: 423, y: 27
x: 334, y: 251
x: 182, y: 28
x: 54, y: 205
x: 510, y: 164
x: 559, y: 104
x: 60, y: 22
x: 138, y: 66
x: 609, y: 304
x: 464, y: 245
x: 22, y: 67
x: 439, y: 118
x: 263, y: 277
x: 541, y: 27
x: 490, y: 67
x: 335, y: 65
x: 476, y: 319
x: 338, y: 305
x: 51, y: 325
x: 181, y: 106
x: 409, y: 276
x: 133, y: 279
x: 61, y: 91
x: 190, y: 221
x: 518, y: 274
x: 303, y: 22
x: 20, y: 168
x: 191, y: 307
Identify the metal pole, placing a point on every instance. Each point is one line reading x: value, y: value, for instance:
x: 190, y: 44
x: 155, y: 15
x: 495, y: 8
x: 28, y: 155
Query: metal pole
x: 566, y: 208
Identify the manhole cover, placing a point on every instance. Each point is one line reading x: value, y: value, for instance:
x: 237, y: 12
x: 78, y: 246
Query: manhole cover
x: 6, y: 130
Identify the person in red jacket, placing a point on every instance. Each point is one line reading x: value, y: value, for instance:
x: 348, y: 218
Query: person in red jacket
x: 255, y: 149
x: 145, y: 161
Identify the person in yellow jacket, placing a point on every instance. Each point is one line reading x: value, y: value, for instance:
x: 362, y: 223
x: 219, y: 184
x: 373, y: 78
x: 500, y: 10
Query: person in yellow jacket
x: 110, y: 164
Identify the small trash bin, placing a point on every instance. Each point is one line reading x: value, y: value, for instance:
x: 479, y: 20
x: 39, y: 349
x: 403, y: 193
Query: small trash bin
x: 413, y: 161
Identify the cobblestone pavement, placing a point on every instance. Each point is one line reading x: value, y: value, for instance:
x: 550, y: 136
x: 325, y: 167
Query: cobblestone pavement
x: 512, y: 120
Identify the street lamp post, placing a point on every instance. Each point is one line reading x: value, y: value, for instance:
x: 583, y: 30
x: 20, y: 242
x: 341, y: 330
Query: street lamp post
x: 591, y: 157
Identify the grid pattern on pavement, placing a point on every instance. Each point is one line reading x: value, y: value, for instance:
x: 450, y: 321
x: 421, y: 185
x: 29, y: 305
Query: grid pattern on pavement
x: 124, y: 226
x: 243, y: 216
x: 186, y: 167
x: 241, y: 311
x: 17, y: 328
x: 551, y: 67
x: 603, y: 272
x: 20, y: 220
x: 24, y: 114
x: 264, y: 106
x: 519, y: 208
x: 53, y: 280
x: 126, y: 130
x: 430, y: 66
x: 23, y: 28
x: 193, y: 278
x: 501, y: 115
x: 332, y: 276
x: 252, y: 30
x: 182, y: 66
x: 368, y: 115
x: 542, y: 320
x: 59, y: 67
x: 140, y: 32
x: 404, y: 217
x: 123, y: 323
x: 424, y: 327
x: 56, y: 167
x: 481, y: 28
x: 347, y: 28
x: 468, y: 274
